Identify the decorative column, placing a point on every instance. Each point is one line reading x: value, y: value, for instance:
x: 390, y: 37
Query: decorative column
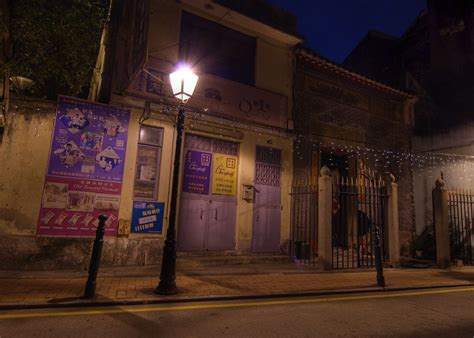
x: 325, y: 219
x: 441, y: 223
x: 393, y: 225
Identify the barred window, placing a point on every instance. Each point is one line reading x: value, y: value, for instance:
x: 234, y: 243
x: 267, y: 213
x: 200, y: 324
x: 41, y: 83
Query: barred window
x: 147, y: 170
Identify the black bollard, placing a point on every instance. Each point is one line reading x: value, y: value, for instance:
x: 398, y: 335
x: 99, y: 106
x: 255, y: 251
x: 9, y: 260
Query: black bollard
x: 95, y: 259
x: 378, y: 257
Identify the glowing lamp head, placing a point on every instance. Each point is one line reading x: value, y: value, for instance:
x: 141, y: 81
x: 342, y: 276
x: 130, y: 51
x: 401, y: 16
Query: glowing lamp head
x: 183, y: 81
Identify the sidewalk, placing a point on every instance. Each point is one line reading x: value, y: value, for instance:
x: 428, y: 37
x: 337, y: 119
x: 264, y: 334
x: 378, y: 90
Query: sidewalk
x: 135, y: 285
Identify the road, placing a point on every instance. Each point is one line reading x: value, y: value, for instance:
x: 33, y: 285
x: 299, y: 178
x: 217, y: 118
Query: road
x: 423, y: 313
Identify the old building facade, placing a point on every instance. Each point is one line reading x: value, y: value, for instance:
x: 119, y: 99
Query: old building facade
x: 433, y: 59
x: 351, y: 124
x: 237, y: 137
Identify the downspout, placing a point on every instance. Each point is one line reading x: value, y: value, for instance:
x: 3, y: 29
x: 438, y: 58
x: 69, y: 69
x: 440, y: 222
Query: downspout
x: 96, y: 81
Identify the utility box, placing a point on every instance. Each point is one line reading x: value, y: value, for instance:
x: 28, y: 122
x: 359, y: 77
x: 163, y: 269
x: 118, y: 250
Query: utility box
x: 248, y: 192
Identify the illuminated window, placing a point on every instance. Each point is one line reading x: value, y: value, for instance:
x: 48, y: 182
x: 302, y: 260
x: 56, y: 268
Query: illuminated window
x: 217, y: 50
x: 147, y: 170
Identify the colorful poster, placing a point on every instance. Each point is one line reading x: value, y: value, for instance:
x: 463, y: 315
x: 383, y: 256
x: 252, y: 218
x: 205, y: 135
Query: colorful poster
x: 147, y: 217
x: 85, y: 171
x: 224, y: 178
x: 197, y: 172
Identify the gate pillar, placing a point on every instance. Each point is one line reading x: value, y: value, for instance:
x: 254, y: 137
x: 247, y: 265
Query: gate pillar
x: 440, y: 212
x: 393, y: 224
x: 325, y: 220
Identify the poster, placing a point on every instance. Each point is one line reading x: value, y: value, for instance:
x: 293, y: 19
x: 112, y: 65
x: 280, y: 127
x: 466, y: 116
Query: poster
x: 147, y: 217
x: 224, y: 178
x: 197, y: 172
x: 85, y: 170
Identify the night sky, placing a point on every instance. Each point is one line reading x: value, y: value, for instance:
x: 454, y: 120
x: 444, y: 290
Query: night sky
x: 334, y: 27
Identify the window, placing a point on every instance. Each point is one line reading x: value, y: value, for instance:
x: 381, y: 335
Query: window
x: 147, y: 170
x: 217, y: 50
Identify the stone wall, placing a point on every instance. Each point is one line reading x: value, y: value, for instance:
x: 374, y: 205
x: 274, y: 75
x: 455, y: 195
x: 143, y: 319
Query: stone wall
x: 333, y: 115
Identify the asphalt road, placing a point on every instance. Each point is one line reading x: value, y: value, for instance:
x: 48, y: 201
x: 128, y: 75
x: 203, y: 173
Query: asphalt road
x: 424, y: 313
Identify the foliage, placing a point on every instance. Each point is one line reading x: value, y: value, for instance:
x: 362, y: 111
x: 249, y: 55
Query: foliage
x: 425, y: 242
x: 55, y: 43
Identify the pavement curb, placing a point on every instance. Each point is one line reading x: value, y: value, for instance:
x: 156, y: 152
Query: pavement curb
x: 173, y: 299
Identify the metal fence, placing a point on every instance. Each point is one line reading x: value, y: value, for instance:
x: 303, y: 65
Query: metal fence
x: 461, y: 225
x: 304, y: 222
x: 358, y: 223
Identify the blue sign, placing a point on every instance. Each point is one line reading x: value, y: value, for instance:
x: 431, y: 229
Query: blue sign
x: 147, y: 217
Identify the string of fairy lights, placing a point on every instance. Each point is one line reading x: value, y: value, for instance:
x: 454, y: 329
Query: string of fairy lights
x: 383, y: 160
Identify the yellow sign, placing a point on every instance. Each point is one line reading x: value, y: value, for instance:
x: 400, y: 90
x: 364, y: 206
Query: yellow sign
x: 224, y: 178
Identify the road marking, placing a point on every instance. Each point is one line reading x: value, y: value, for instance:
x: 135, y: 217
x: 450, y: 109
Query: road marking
x: 231, y: 305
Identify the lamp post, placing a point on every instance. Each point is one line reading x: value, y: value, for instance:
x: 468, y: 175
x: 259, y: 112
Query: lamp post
x: 183, y: 81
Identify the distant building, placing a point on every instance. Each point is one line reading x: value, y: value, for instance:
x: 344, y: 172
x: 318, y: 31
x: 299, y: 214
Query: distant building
x: 433, y: 58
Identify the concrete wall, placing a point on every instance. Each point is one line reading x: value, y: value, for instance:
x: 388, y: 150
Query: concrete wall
x: 274, y: 58
x: 247, y: 175
x: 24, y: 153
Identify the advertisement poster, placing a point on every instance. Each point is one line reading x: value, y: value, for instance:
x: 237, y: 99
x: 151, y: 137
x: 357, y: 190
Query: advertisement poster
x: 197, y: 172
x: 85, y: 171
x: 147, y: 217
x: 224, y: 178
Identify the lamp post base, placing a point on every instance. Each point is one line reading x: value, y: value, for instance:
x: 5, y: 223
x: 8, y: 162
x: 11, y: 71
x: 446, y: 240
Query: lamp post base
x: 166, y: 288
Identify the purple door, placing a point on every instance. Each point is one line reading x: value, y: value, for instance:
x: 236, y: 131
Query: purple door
x: 206, y: 220
x: 193, y: 218
x: 221, y: 226
x: 267, y: 206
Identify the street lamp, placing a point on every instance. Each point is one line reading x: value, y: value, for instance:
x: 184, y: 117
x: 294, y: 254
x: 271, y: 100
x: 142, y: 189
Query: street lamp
x: 183, y: 81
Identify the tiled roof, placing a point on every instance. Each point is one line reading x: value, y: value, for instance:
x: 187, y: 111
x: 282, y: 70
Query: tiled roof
x: 337, y: 69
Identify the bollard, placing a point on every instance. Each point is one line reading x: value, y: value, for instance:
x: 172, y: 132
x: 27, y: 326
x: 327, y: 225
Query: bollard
x: 95, y: 259
x: 378, y: 257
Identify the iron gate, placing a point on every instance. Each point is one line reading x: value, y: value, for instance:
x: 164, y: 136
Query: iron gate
x: 359, y: 215
x: 304, y: 222
x: 461, y: 227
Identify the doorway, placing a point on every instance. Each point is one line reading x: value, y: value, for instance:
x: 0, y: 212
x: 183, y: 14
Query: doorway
x: 267, y: 206
x: 208, y: 195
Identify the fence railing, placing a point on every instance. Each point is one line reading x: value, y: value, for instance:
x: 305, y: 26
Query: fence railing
x: 359, y: 216
x: 344, y: 223
x: 304, y: 221
x: 461, y: 225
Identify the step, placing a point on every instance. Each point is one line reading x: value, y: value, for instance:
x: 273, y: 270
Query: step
x: 210, y: 259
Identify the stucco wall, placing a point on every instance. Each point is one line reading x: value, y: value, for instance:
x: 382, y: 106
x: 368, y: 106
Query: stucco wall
x: 24, y: 154
x: 24, y: 158
x: 273, y: 62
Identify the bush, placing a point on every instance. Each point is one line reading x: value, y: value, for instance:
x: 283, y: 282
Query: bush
x: 425, y: 242
x: 55, y: 43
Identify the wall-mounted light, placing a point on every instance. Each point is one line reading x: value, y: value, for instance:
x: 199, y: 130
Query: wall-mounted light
x: 21, y: 83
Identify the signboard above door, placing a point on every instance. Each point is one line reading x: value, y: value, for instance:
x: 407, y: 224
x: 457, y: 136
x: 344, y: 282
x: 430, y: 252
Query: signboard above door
x: 215, y: 96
